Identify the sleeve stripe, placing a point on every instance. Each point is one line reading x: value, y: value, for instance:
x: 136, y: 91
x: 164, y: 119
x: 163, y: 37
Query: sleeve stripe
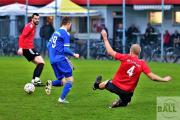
x: 66, y: 44
x: 58, y: 33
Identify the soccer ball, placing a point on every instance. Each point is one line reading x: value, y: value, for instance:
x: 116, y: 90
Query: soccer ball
x: 29, y: 88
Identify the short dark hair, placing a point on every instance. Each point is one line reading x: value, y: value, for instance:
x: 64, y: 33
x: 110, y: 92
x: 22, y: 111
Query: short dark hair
x: 34, y: 14
x: 65, y: 20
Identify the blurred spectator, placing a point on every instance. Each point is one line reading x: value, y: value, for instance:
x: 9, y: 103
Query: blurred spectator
x: 176, y: 38
x: 166, y: 39
x: 98, y: 29
x: 130, y: 36
x: 119, y: 31
x: 94, y: 26
x: 150, y: 35
x: 149, y: 29
x: 45, y: 33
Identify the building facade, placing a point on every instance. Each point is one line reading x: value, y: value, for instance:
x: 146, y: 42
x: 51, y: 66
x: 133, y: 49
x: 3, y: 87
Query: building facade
x: 111, y: 15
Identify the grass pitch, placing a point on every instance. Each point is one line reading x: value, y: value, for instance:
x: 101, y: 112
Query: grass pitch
x: 85, y: 104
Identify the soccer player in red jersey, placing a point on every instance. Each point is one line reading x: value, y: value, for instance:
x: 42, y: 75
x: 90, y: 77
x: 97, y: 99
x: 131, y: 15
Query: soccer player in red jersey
x: 126, y: 78
x: 26, y: 48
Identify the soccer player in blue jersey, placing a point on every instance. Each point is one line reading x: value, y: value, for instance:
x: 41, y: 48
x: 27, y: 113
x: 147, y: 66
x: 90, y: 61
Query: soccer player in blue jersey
x: 58, y: 48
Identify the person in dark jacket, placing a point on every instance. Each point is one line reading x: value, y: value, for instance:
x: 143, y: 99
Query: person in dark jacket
x: 45, y: 33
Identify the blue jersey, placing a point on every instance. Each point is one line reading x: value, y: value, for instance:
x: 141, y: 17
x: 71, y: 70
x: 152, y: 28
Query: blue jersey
x: 59, y: 40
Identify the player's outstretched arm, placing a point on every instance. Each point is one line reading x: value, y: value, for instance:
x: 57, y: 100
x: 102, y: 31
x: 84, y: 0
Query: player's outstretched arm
x: 109, y: 49
x: 155, y: 77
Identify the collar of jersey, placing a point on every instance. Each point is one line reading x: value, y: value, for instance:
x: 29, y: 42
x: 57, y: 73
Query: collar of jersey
x: 32, y: 23
x: 64, y: 28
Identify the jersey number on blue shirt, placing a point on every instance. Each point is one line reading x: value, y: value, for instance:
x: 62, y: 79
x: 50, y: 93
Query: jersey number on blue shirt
x: 53, y: 40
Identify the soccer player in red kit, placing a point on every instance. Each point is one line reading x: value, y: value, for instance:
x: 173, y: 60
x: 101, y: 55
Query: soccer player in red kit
x: 126, y: 78
x: 26, y: 48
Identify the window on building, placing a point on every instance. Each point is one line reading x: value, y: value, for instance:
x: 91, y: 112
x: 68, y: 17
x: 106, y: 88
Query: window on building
x: 155, y: 18
x: 177, y: 17
x: 4, y: 26
x: 83, y: 25
x: 117, y: 14
x: 20, y: 24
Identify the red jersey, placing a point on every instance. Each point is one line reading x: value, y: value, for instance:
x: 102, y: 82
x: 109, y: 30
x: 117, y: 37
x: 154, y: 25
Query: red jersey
x: 26, y: 39
x: 127, y: 76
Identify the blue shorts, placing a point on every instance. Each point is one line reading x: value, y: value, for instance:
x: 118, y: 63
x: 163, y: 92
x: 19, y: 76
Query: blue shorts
x: 62, y: 69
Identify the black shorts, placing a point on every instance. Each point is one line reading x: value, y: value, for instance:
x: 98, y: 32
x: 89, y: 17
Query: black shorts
x: 30, y: 54
x: 124, y: 96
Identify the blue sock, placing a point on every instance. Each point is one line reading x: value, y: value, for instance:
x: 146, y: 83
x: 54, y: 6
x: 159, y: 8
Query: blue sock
x: 57, y: 83
x: 66, y: 90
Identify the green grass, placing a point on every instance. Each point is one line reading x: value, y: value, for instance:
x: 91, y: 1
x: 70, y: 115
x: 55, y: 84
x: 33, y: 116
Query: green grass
x: 85, y: 104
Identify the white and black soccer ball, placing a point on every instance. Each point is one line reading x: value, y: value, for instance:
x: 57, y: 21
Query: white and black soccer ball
x: 29, y: 88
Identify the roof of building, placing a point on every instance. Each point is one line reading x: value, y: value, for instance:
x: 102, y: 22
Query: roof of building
x: 30, y: 2
x: 94, y: 2
x: 129, y: 2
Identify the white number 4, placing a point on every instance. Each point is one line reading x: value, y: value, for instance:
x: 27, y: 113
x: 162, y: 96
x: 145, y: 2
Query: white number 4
x: 130, y: 71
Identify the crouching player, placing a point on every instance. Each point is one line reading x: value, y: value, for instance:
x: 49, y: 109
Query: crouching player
x: 58, y: 48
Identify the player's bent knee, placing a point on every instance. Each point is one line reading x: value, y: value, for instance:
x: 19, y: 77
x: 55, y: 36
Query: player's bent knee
x: 41, y: 61
x: 38, y: 60
x: 69, y: 79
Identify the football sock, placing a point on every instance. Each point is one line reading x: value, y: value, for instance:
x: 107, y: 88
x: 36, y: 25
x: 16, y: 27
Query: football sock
x: 38, y: 70
x: 57, y: 83
x: 66, y: 90
x: 96, y: 85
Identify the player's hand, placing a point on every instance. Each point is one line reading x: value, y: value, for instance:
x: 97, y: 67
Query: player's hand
x: 20, y: 51
x: 104, y: 34
x: 76, y: 55
x: 167, y: 78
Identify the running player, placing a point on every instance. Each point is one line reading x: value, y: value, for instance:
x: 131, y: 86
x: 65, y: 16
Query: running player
x: 58, y: 48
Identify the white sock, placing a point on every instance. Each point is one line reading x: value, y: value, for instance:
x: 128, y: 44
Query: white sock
x: 37, y: 79
x: 32, y: 80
